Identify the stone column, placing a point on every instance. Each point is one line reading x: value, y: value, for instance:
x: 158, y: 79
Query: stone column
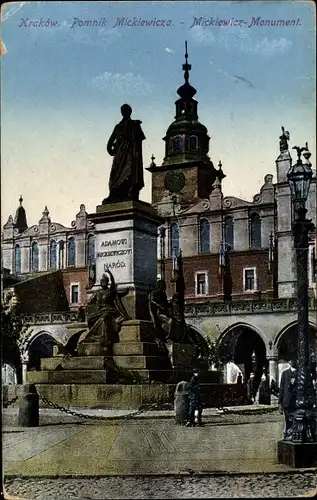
x: 273, y: 368
x: 25, y: 360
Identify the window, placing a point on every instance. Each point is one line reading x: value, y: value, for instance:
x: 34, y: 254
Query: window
x: 17, y: 259
x: 53, y: 254
x: 91, y: 250
x: 174, y: 240
x: 229, y: 232
x: 201, y: 280
x: 193, y: 142
x: 71, y: 252
x: 74, y: 296
x: 204, y: 236
x: 177, y: 143
x: 61, y: 247
x: 255, y: 231
x: 35, y: 256
x: 249, y: 279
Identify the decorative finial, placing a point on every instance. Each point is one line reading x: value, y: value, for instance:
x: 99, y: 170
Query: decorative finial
x: 299, y: 152
x: 283, y: 140
x: 20, y: 199
x: 153, y: 163
x: 186, y: 67
x: 46, y: 212
x: 220, y: 165
x: 307, y: 153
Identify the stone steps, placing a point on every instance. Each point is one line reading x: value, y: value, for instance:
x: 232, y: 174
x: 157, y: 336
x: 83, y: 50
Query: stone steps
x: 106, y: 395
x: 67, y: 377
x: 73, y: 363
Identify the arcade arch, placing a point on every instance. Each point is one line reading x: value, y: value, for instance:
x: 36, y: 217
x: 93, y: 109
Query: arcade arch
x: 244, y: 346
x: 40, y: 346
x: 286, y: 341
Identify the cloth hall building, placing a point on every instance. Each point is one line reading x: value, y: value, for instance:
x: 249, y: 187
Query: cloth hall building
x: 238, y: 256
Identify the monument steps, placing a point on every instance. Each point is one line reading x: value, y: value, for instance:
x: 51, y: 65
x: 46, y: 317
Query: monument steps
x: 67, y: 377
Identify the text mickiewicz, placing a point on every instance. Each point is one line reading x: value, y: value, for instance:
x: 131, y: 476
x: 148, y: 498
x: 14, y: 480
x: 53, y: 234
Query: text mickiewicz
x: 138, y: 21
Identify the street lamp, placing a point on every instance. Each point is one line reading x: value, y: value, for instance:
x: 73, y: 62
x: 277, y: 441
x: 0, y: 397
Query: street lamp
x: 301, y: 451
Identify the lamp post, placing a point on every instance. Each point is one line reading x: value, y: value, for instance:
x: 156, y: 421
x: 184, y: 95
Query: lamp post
x: 301, y: 450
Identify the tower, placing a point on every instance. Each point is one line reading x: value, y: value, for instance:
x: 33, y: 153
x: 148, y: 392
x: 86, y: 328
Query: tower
x: 187, y: 173
x: 285, y: 246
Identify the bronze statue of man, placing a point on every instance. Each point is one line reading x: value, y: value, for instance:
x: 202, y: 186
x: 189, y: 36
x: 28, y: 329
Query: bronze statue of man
x: 125, y: 145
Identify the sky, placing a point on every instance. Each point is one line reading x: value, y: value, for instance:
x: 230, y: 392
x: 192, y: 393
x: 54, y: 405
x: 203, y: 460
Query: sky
x: 64, y: 79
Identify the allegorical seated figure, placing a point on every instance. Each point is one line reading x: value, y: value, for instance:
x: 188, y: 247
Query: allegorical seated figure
x: 105, y: 314
x: 125, y: 145
x: 167, y: 317
x: 160, y: 311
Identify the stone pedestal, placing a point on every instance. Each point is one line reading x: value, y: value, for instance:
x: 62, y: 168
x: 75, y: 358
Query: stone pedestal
x: 183, y: 356
x: 138, y: 371
x: 126, y: 241
x: 297, y: 455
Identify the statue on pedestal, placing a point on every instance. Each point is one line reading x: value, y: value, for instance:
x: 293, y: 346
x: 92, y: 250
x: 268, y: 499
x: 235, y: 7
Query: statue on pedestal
x: 125, y: 145
x: 105, y: 314
x: 284, y: 138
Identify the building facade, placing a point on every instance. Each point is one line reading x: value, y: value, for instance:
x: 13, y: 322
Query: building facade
x: 238, y: 256
x: 49, y: 246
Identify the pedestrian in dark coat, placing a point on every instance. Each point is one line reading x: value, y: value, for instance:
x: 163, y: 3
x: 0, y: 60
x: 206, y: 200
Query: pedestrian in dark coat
x: 287, y: 396
x: 195, y: 399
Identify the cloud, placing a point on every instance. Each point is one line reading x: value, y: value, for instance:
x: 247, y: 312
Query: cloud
x: 127, y: 83
x: 240, y: 40
x: 201, y: 36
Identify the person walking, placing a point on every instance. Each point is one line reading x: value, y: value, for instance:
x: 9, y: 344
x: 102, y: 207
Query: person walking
x: 195, y: 400
x: 287, y: 396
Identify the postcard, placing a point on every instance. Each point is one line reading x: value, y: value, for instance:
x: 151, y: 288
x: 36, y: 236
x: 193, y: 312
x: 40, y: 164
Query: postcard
x: 158, y: 253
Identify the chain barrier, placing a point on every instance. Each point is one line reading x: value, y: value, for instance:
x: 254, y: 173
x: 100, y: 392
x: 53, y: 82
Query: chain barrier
x: 11, y: 402
x: 131, y: 415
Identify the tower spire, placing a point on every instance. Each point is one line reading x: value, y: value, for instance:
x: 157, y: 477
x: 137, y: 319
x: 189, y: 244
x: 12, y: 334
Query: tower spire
x: 186, y: 67
x: 186, y: 91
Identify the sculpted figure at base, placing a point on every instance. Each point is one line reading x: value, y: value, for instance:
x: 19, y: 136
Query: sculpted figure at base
x: 105, y: 314
x: 160, y: 312
x: 167, y: 317
x: 125, y: 145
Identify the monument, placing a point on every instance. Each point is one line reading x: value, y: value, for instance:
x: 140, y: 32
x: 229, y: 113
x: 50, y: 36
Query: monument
x: 135, y: 347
